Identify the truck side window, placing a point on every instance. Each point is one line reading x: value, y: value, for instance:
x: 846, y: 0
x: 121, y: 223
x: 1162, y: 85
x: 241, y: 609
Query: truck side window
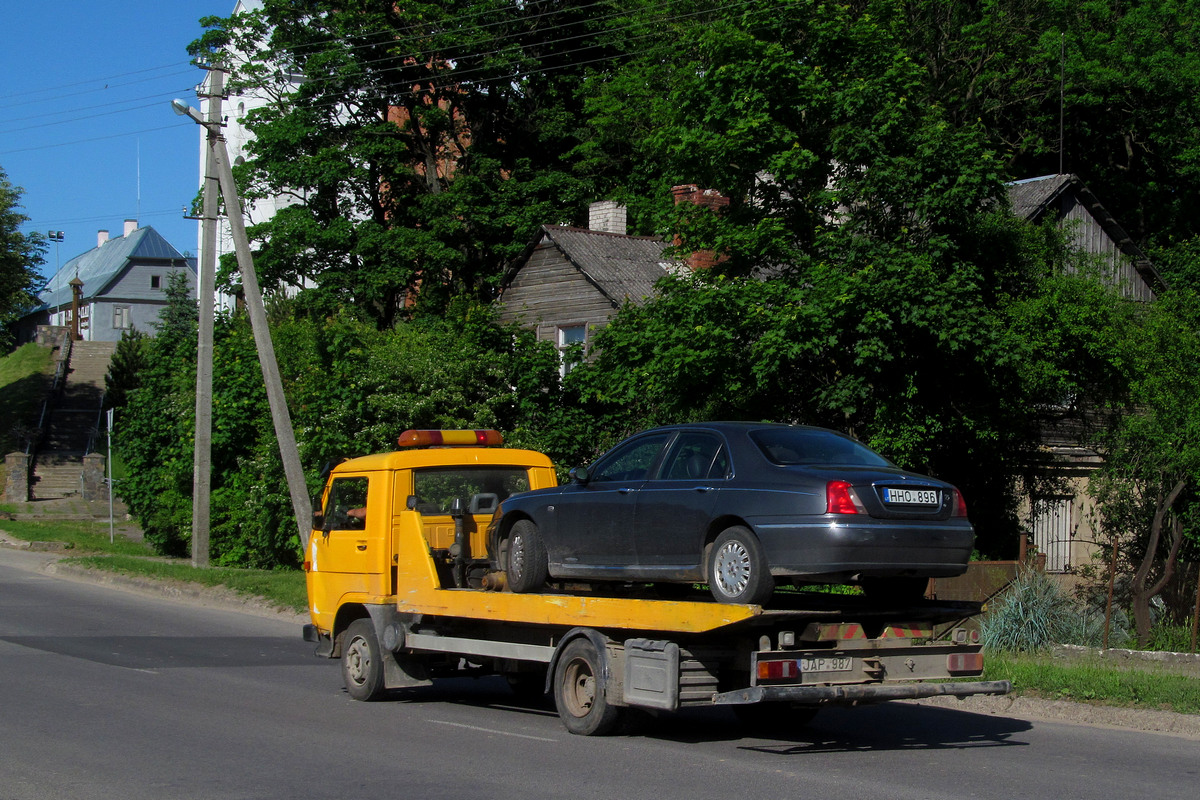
x: 346, y: 505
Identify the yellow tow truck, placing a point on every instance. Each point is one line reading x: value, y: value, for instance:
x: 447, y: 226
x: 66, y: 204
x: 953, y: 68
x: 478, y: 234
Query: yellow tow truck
x: 402, y: 589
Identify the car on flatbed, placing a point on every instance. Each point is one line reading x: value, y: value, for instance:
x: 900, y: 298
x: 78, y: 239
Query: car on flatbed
x: 402, y: 590
x: 739, y: 506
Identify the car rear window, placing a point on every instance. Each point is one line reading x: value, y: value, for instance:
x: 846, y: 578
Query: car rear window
x: 810, y: 446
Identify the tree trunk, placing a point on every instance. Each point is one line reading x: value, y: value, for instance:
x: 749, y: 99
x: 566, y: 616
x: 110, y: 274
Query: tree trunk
x: 1142, y: 594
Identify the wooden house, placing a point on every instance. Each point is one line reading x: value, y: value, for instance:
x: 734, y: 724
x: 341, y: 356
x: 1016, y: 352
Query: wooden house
x: 1061, y: 523
x: 570, y: 281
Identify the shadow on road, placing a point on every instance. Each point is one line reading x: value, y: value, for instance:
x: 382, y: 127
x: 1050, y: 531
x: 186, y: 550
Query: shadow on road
x: 888, y: 726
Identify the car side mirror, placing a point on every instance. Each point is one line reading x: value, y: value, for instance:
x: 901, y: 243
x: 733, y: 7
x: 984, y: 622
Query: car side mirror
x: 579, y: 475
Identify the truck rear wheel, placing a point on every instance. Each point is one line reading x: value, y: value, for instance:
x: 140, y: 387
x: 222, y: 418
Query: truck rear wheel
x: 362, y: 661
x: 525, y: 558
x: 579, y: 691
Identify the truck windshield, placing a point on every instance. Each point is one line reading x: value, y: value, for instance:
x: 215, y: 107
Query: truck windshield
x: 437, y: 487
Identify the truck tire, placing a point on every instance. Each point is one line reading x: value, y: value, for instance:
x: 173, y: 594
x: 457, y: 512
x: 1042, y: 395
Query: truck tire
x: 579, y: 692
x: 525, y: 558
x: 737, y: 570
x: 362, y: 661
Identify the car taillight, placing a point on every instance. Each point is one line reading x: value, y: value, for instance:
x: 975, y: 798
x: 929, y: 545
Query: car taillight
x: 960, y: 505
x: 840, y: 498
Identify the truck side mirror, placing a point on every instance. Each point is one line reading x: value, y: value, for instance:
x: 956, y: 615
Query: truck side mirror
x: 318, y: 520
x: 411, y: 502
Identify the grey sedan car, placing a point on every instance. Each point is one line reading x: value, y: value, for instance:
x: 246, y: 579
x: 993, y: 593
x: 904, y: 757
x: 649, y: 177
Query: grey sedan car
x: 738, y: 506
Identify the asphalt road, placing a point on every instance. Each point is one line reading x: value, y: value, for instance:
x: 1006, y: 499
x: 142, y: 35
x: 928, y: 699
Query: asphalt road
x: 106, y: 693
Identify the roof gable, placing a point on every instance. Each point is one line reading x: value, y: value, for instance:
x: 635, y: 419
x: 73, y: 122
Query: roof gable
x: 1034, y: 198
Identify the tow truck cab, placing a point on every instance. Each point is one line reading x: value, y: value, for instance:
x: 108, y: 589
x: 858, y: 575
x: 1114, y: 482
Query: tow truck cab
x: 448, y: 483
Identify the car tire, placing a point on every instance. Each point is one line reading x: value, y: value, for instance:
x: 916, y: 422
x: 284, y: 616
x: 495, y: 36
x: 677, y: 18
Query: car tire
x: 362, y: 661
x: 525, y: 558
x: 579, y: 692
x: 738, y: 570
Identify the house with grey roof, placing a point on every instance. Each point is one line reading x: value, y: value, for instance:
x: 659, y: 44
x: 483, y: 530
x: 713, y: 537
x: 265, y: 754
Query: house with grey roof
x: 123, y: 286
x: 569, y: 282
x: 1067, y: 201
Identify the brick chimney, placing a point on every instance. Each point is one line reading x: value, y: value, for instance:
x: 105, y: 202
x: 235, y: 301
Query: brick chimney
x: 607, y: 216
x: 130, y: 226
x: 705, y: 198
x: 101, y: 237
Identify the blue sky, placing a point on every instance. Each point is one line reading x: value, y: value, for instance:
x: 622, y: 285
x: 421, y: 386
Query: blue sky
x: 85, y: 105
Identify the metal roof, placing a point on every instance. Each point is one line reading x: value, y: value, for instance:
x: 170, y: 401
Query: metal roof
x: 101, y: 265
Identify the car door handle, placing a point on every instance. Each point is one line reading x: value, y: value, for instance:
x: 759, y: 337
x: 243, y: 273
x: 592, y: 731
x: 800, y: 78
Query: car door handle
x: 626, y: 489
x: 705, y: 488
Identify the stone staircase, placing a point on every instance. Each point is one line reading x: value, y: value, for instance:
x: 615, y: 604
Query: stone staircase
x: 58, y: 466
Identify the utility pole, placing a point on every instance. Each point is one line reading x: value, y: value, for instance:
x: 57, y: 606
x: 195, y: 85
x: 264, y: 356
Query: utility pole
x: 202, y: 464
x: 288, y: 452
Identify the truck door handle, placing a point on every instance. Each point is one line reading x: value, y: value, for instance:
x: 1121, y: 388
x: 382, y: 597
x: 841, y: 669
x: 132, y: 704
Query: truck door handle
x: 361, y: 545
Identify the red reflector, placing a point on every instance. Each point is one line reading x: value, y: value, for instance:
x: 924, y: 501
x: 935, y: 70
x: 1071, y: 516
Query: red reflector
x: 778, y: 670
x: 964, y: 662
x: 423, y: 438
x: 840, y: 499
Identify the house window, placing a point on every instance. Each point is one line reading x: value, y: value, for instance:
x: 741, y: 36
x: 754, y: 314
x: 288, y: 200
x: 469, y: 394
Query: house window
x: 1051, y: 523
x: 155, y: 282
x: 572, y: 339
x: 122, y: 317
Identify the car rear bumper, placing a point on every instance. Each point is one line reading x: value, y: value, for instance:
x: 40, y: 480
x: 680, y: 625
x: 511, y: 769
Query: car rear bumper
x: 886, y: 548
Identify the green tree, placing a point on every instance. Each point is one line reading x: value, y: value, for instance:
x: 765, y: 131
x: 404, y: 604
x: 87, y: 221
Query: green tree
x: 1148, y: 483
x: 124, y: 371
x: 154, y: 435
x: 20, y: 256
x: 423, y: 146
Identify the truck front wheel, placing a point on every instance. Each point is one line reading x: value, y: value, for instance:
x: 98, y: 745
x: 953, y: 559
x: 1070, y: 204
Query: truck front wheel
x: 579, y: 691
x: 525, y: 558
x: 362, y: 661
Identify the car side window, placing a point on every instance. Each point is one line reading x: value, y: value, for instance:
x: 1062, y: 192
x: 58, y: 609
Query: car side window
x: 695, y: 456
x: 346, y: 505
x: 630, y: 462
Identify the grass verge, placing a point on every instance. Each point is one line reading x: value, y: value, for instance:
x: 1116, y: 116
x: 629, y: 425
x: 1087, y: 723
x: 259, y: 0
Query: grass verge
x: 88, y: 545
x: 1090, y: 681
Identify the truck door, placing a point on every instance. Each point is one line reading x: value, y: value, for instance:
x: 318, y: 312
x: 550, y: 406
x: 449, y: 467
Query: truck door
x: 347, y: 553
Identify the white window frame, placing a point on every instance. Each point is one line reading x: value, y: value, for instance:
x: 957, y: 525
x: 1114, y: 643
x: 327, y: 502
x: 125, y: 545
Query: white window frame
x: 122, y: 318
x: 562, y: 342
